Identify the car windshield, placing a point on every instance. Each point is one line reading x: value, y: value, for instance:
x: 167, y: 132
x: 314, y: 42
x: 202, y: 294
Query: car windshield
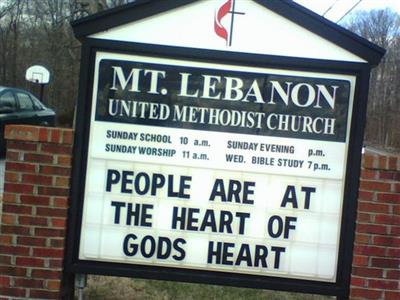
x: 37, y: 102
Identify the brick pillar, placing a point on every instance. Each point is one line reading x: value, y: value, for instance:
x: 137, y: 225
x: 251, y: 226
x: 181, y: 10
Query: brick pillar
x: 376, y: 262
x: 33, y: 220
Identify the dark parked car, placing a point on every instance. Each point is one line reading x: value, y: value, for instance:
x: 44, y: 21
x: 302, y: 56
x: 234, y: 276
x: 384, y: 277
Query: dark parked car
x: 21, y: 107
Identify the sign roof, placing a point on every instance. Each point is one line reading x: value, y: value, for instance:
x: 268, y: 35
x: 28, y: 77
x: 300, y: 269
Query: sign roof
x: 279, y: 28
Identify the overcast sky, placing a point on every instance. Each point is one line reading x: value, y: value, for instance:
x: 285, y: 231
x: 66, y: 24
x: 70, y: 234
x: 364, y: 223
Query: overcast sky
x: 340, y: 7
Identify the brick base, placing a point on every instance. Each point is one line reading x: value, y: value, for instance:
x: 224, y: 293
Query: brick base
x: 376, y: 261
x: 35, y: 204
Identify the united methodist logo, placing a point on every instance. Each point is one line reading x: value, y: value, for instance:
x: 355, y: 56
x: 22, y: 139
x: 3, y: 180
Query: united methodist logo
x: 227, y: 8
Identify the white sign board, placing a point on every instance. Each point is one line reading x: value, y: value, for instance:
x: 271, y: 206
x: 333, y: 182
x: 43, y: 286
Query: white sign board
x: 216, y: 167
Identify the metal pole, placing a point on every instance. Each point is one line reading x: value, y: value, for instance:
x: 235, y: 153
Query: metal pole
x: 80, y: 284
x: 41, y: 92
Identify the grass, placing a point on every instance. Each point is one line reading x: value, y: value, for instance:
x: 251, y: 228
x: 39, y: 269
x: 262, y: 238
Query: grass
x: 116, y: 288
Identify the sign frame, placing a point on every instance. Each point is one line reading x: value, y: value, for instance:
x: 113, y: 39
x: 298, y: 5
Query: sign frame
x: 351, y: 184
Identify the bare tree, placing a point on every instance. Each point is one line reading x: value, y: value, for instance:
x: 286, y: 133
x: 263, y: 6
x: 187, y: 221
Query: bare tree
x: 10, y: 19
x: 382, y: 27
x: 39, y: 32
x: 91, y: 7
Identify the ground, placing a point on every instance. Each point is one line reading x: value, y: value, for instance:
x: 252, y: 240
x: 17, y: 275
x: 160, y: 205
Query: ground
x: 115, y: 288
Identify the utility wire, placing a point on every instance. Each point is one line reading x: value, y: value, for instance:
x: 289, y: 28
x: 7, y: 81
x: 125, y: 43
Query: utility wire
x: 330, y: 7
x: 354, y: 6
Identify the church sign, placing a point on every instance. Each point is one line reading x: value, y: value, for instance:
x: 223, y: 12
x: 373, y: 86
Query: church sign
x: 223, y: 163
